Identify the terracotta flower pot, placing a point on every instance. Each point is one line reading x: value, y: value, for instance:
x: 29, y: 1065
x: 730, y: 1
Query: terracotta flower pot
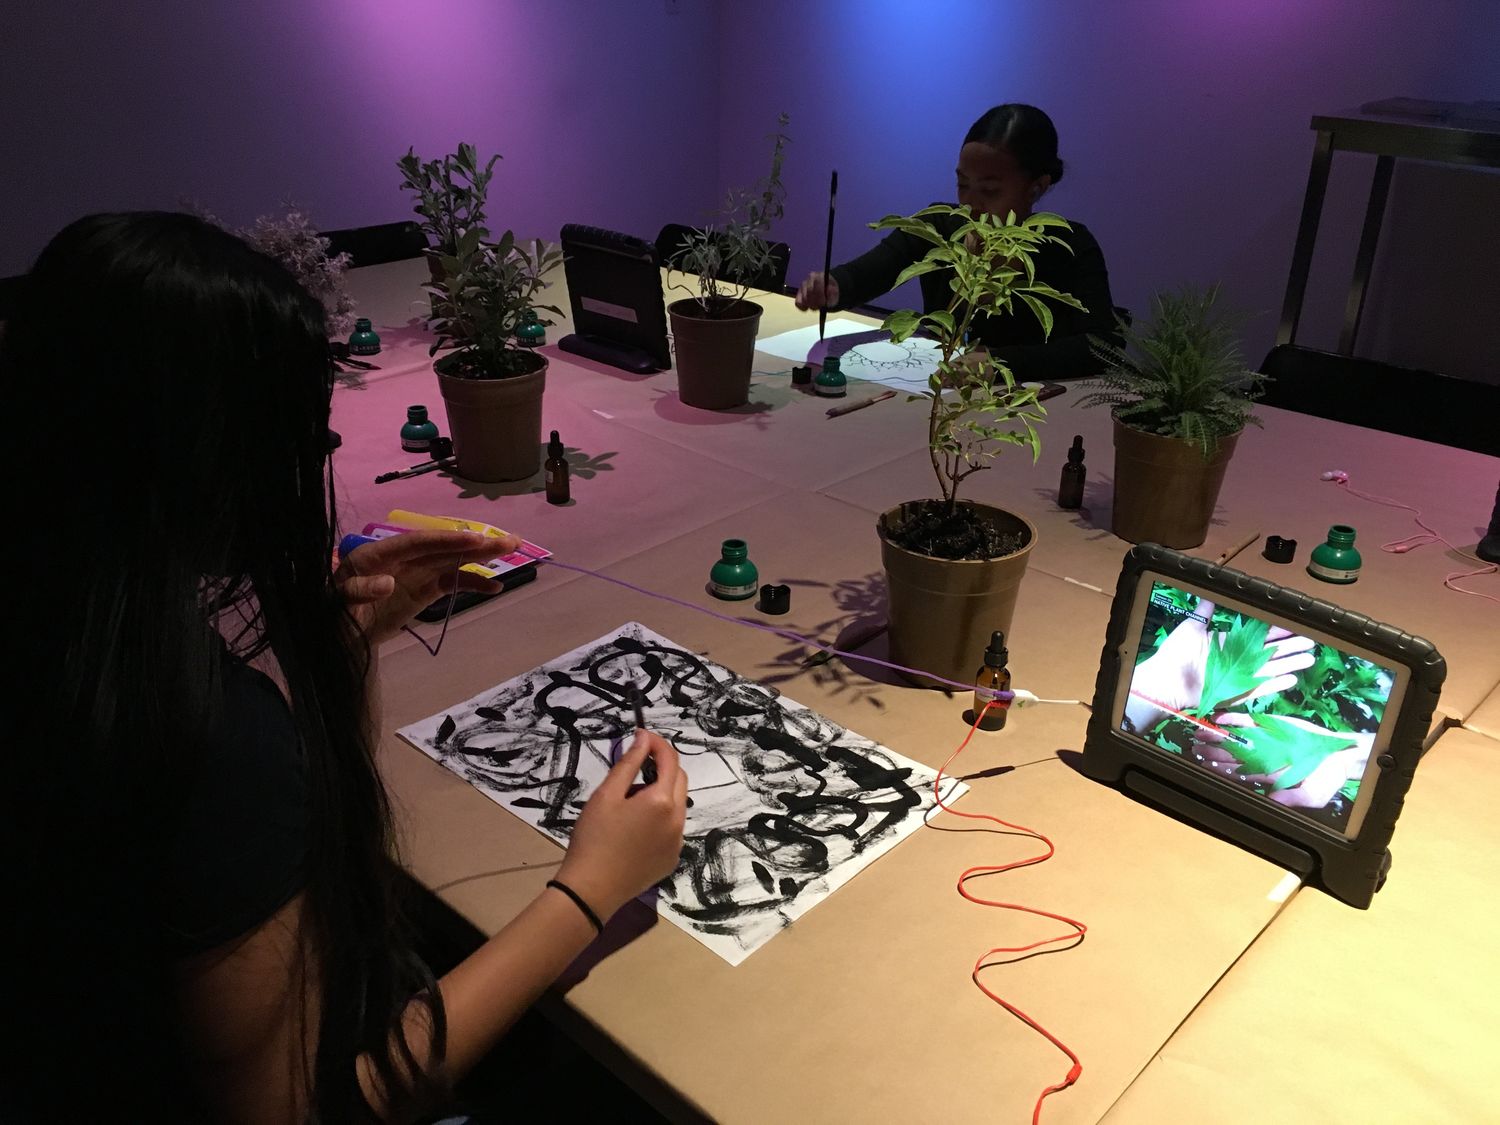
x: 714, y: 354
x: 496, y: 424
x: 1165, y: 492
x: 942, y: 611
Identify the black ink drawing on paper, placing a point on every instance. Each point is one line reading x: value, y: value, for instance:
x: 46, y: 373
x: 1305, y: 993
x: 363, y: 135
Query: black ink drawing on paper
x: 786, y: 805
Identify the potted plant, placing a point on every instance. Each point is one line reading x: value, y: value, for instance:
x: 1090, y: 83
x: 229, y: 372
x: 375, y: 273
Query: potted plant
x: 953, y: 568
x: 1180, y: 395
x: 492, y: 387
x: 714, y: 333
x: 290, y: 237
x: 450, y: 194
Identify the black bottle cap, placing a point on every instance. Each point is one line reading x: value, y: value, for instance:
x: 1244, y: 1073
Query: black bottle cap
x: 1075, y: 454
x: 996, y: 656
x: 802, y: 375
x: 775, y: 599
x: 555, y: 446
x: 1279, y: 550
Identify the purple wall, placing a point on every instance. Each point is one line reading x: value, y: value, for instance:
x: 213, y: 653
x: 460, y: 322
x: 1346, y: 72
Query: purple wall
x: 239, y: 105
x: 1185, y: 129
x: 1184, y: 125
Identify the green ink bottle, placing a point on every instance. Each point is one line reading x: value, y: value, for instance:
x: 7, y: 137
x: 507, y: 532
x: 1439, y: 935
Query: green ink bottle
x: 830, y: 381
x: 1336, y: 560
x: 419, y: 433
x: 993, y: 676
x: 734, y: 577
x: 363, y: 341
x: 531, y: 332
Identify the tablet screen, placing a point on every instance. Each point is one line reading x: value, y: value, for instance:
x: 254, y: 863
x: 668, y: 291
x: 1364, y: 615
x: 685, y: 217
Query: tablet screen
x: 1263, y: 705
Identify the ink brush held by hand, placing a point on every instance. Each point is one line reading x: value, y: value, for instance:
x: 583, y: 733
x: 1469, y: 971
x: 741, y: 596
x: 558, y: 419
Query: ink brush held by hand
x: 849, y: 408
x: 638, y: 701
x: 833, y: 192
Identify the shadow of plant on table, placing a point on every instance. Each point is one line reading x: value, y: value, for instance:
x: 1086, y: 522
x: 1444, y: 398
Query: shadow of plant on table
x: 669, y: 407
x: 581, y: 466
x: 860, y: 619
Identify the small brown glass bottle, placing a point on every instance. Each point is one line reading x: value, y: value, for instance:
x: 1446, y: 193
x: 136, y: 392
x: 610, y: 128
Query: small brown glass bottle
x: 1070, y: 488
x: 993, y: 676
x: 557, y: 471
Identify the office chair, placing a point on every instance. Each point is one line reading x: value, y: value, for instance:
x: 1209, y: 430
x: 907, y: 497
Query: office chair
x: 673, y: 240
x: 1382, y: 396
x: 10, y: 294
x: 384, y: 242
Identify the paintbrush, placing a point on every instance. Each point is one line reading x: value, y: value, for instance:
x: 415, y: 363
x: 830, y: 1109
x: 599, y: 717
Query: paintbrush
x: 1236, y: 549
x: 638, y: 702
x: 833, y: 191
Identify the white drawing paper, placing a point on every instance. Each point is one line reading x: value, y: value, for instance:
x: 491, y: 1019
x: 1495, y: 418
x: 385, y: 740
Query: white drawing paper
x: 787, y: 805
x: 865, y: 353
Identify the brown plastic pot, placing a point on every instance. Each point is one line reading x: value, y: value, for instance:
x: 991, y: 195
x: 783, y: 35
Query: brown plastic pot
x: 1165, y: 492
x: 714, y: 354
x: 496, y: 424
x: 942, y: 611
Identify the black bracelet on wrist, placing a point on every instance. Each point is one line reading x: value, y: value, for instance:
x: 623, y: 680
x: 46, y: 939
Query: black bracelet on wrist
x: 578, y: 902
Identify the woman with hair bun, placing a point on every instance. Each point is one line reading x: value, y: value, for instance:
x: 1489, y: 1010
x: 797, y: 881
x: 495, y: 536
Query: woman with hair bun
x: 1008, y: 161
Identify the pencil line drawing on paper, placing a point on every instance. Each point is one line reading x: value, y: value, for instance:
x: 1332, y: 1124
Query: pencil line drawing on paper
x: 786, y: 805
x: 886, y: 355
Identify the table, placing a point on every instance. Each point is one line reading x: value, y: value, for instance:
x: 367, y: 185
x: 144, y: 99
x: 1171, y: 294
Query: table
x: 862, y: 1009
x: 1375, y: 1016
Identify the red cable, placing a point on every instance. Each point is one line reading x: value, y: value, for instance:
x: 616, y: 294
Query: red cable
x: 1075, y: 935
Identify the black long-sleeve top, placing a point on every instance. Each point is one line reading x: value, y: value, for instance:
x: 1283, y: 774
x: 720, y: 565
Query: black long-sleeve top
x: 1016, y: 338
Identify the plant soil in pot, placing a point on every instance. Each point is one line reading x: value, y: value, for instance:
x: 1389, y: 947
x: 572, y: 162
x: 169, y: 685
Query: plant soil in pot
x: 496, y: 423
x: 1165, y: 490
x: 714, y: 353
x: 942, y: 611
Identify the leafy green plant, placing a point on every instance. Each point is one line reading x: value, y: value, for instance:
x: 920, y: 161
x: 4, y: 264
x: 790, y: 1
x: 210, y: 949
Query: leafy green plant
x: 1234, y: 663
x: 726, y: 255
x: 992, y: 261
x: 1182, y: 375
x: 451, y: 193
x: 484, y: 295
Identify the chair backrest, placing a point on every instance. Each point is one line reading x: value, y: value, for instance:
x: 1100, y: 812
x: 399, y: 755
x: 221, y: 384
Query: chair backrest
x: 1399, y: 400
x: 10, y: 293
x: 385, y: 242
x: 673, y: 239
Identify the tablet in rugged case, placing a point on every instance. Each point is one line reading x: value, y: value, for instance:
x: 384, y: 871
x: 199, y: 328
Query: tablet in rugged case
x: 1274, y: 719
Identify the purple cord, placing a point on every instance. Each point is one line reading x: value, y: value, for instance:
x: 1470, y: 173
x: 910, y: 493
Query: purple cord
x: 785, y: 634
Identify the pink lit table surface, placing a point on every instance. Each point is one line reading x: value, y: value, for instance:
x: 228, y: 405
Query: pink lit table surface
x: 863, y: 1008
x: 1384, y: 1016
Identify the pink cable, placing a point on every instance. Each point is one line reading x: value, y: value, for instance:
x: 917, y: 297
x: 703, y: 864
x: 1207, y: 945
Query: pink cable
x: 1428, y: 535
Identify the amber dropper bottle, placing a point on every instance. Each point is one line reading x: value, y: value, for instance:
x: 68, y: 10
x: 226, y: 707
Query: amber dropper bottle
x: 993, y: 676
x: 556, y: 471
x: 1070, y: 487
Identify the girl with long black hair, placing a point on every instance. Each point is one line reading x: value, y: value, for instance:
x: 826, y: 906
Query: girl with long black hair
x: 202, y: 922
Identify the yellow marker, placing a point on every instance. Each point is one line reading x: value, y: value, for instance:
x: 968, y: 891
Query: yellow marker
x: 399, y: 517
x: 402, y: 518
